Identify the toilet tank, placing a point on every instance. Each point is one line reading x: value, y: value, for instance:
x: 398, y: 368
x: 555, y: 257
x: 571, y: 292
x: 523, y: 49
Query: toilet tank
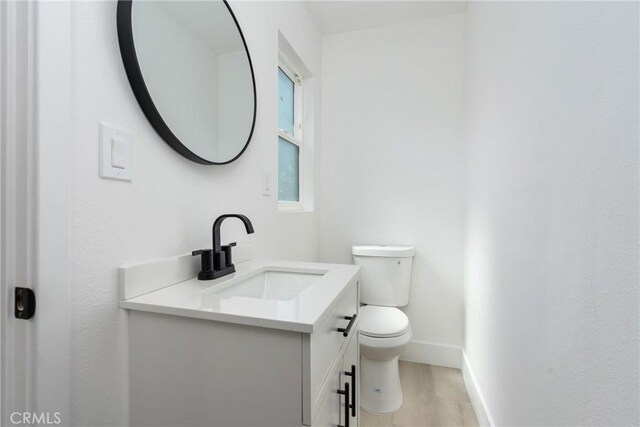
x: 386, y: 274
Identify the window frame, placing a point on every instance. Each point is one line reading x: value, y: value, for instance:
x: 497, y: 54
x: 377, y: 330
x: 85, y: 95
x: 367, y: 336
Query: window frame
x: 298, y: 131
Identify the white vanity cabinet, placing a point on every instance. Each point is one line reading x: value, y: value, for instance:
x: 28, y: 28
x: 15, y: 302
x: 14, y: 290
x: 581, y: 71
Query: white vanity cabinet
x: 190, y: 371
x: 340, y: 390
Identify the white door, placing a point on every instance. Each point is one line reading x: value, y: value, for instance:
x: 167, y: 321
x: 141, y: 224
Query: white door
x: 35, y: 89
x: 15, y: 225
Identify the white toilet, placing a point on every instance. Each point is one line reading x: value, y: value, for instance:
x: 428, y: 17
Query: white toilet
x: 384, y: 329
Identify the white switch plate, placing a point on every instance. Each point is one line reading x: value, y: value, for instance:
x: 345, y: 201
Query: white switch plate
x: 267, y: 183
x: 116, y: 153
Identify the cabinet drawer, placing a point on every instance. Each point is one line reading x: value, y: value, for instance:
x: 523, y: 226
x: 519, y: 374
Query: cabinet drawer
x: 327, y: 342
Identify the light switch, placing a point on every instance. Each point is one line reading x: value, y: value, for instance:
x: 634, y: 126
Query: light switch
x: 116, y: 153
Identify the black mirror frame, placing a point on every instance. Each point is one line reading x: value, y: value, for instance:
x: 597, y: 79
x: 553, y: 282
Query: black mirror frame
x: 134, y: 74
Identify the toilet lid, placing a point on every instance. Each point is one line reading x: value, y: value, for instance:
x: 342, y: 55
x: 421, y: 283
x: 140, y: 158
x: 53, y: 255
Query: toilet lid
x: 381, y: 322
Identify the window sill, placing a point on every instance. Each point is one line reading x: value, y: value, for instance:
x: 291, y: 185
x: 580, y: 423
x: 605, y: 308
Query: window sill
x: 292, y: 207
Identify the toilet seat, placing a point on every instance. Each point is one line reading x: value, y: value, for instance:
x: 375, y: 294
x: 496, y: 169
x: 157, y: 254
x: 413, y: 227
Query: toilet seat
x: 389, y: 343
x: 382, y: 322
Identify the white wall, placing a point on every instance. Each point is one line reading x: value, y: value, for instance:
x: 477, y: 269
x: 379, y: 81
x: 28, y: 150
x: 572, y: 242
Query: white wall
x: 393, y: 163
x: 552, y: 231
x: 169, y: 207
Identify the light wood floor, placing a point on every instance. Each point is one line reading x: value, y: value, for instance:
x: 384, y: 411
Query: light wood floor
x: 433, y: 396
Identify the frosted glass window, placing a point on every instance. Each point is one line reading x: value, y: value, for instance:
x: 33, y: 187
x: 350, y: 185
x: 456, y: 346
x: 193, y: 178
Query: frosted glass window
x: 286, y: 102
x: 288, y: 171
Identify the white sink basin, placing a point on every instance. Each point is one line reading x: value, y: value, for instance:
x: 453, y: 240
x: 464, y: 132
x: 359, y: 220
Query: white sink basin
x: 268, y: 284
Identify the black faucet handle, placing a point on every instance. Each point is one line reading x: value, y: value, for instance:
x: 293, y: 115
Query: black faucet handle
x: 206, y: 260
x: 226, y: 249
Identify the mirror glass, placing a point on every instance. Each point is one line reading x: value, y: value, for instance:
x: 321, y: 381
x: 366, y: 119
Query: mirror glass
x: 196, y: 71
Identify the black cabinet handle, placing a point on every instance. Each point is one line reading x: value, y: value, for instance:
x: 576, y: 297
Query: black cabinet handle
x: 352, y: 320
x: 354, y: 382
x: 346, y: 394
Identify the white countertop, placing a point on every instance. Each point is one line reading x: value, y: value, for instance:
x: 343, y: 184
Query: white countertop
x: 303, y: 313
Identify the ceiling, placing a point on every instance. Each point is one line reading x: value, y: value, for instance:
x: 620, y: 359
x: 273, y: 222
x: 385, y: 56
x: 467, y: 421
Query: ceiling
x: 343, y: 16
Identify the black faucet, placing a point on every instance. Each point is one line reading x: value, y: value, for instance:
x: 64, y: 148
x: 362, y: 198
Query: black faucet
x: 217, y: 262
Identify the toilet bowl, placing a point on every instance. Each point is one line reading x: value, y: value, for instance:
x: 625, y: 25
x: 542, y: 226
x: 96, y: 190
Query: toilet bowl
x: 384, y: 333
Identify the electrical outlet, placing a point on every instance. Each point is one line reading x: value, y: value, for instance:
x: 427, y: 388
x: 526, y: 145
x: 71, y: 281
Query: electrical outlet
x: 267, y: 183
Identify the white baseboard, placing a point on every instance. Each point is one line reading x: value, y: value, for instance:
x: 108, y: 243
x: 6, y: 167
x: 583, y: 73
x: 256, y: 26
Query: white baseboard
x: 433, y: 354
x: 475, y: 395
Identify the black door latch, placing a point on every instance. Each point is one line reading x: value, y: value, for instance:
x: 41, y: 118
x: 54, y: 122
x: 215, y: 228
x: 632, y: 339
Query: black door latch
x: 25, y: 303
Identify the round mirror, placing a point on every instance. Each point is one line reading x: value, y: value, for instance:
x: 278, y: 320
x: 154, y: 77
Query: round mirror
x: 190, y: 70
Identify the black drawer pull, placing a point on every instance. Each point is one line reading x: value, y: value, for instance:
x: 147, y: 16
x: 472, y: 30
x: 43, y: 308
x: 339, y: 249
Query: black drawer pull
x: 352, y: 374
x: 352, y: 320
x: 346, y: 394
